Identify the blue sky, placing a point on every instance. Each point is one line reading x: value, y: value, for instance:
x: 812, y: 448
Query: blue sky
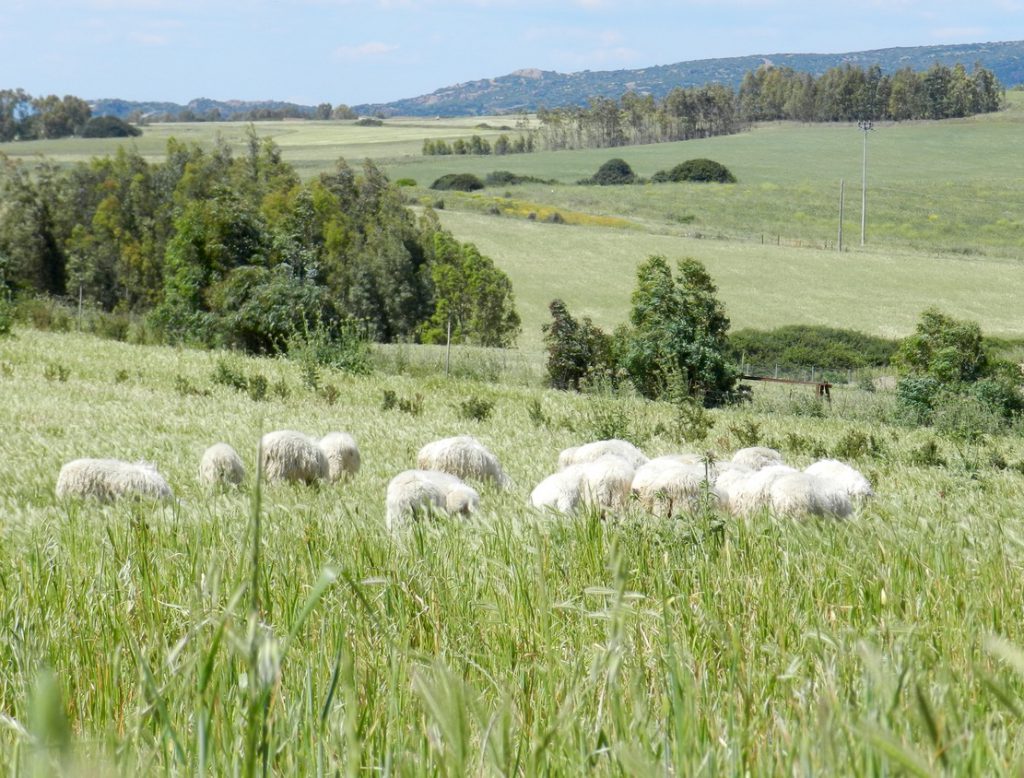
x: 357, y: 51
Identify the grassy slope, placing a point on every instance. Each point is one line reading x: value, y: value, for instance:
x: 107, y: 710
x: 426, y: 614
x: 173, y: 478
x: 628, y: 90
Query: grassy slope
x: 510, y: 643
x: 944, y: 228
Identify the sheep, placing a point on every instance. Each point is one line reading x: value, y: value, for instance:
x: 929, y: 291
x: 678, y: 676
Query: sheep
x: 604, y: 483
x: 749, y: 491
x: 342, y: 455
x: 414, y: 492
x: 221, y: 465
x: 464, y: 457
x: 111, y: 479
x: 842, y: 477
x: 670, y: 485
x: 757, y: 457
x: 800, y: 494
x: 292, y: 456
x: 591, y: 451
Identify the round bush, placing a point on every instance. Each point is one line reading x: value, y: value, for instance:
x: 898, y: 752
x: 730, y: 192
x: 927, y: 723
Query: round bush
x: 459, y: 182
x: 109, y: 127
x: 613, y: 173
x: 703, y: 170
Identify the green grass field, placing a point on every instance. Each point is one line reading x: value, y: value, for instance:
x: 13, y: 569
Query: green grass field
x: 944, y: 227
x: 142, y: 640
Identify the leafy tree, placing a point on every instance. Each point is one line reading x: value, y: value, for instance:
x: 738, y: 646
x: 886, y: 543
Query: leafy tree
x: 470, y: 292
x: 678, y: 333
x: 575, y: 349
x: 611, y: 173
x: 109, y: 127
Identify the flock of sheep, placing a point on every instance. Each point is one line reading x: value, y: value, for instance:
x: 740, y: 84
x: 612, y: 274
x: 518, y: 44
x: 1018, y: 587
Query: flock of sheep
x: 604, y: 476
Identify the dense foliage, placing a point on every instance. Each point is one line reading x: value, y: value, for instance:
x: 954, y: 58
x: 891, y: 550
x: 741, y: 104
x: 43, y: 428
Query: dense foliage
x: 846, y: 93
x: 674, y: 346
x: 952, y: 381
x: 109, y: 127
x: 577, y: 350
x: 215, y: 249
x: 458, y: 182
x: 24, y: 117
x: 702, y: 170
x: 612, y: 173
x: 802, y: 345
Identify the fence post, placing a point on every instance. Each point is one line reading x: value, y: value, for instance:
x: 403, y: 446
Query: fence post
x: 776, y: 369
x: 448, y: 350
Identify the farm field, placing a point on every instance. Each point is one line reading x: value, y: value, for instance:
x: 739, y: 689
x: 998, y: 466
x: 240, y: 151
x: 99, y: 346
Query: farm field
x: 148, y: 640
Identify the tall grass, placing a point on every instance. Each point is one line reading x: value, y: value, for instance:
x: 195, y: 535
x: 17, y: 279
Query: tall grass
x: 279, y: 629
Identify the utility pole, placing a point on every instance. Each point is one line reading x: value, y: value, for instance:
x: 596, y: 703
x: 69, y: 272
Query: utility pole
x: 842, y: 199
x: 864, y: 126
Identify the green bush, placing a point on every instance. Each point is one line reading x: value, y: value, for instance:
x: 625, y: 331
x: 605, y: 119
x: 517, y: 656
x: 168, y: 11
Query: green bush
x: 800, y: 346
x: 702, y: 170
x: 109, y: 127
x: 458, y: 182
x: 6, y: 315
x: 508, y: 178
x: 405, y: 182
x: 476, y: 408
x: 614, y: 172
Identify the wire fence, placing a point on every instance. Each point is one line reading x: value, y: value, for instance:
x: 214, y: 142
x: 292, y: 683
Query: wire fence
x: 811, y: 373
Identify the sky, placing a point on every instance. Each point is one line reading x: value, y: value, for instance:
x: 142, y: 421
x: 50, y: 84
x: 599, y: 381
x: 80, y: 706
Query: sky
x: 363, y: 51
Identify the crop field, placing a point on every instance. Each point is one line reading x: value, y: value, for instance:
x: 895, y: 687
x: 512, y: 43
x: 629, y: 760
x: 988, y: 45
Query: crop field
x: 290, y: 632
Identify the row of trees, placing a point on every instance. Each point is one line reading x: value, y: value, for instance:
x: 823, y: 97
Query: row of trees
x: 24, y: 117
x: 844, y: 93
x: 323, y: 112
x: 503, y: 144
x: 220, y: 249
x: 850, y: 93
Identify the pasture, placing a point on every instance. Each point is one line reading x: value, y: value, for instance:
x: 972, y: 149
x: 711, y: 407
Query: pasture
x: 232, y: 633
x: 944, y: 225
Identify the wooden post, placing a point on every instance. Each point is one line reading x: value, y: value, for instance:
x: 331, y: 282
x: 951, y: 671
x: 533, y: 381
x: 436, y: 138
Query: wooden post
x: 448, y: 349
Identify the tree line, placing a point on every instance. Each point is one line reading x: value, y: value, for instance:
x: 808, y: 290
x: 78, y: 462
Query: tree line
x: 24, y: 117
x: 845, y: 93
x: 216, y: 248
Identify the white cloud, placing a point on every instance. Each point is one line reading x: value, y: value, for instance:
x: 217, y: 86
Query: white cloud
x: 366, y: 50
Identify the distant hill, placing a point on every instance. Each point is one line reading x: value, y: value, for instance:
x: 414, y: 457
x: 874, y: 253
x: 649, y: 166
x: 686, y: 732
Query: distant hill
x: 525, y: 90
x: 200, y: 107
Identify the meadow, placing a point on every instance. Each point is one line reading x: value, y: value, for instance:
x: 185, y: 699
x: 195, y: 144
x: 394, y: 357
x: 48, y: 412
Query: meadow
x: 944, y: 222
x: 286, y: 631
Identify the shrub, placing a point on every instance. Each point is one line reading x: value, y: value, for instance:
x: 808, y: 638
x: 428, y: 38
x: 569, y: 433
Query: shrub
x: 6, y: 314
x: 575, y: 349
x: 406, y: 182
x: 368, y: 121
x: 476, y: 408
x: 459, y: 182
x: 508, y: 178
x: 747, y: 433
x: 56, y: 371
x: 799, y: 345
x: 614, y: 172
x: 256, y: 387
x: 109, y: 127
x: 703, y: 170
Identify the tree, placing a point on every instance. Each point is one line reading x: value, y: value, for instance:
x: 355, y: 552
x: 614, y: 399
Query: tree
x: 678, y: 334
x: 575, y: 349
x: 323, y: 111
x: 342, y: 111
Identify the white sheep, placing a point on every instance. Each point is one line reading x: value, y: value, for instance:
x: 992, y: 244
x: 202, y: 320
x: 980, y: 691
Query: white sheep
x: 750, y: 491
x: 757, y: 457
x: 111, y: 479
x: 592, y: 451
x: 342, y: 455
x: 671, y: 485
x: 292, y: 456
x: 604, y: 484
x: 800, y: 494
x: 413, y: 493
x: 463, y: 456
x: 221, y: 465
x: 842, y: 477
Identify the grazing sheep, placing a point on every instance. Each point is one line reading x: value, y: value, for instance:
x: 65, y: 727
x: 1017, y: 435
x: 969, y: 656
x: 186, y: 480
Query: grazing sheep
x: 604, y: 483
x: 842, y: 477
x: 757, y: 457
x: 111, y: 479
x: 464, y: 457
x: 292, y: 456
x: 412, y: 493
x: 342, y: 455
x: 800, y: 494
x: 750, y: 491
x: 670, y: 485
x: 221, y: 465
x: 592, y: 451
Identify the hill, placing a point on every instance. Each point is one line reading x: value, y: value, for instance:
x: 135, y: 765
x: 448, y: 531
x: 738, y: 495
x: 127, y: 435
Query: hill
x: 199, y: 108
x: 526, y: 90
